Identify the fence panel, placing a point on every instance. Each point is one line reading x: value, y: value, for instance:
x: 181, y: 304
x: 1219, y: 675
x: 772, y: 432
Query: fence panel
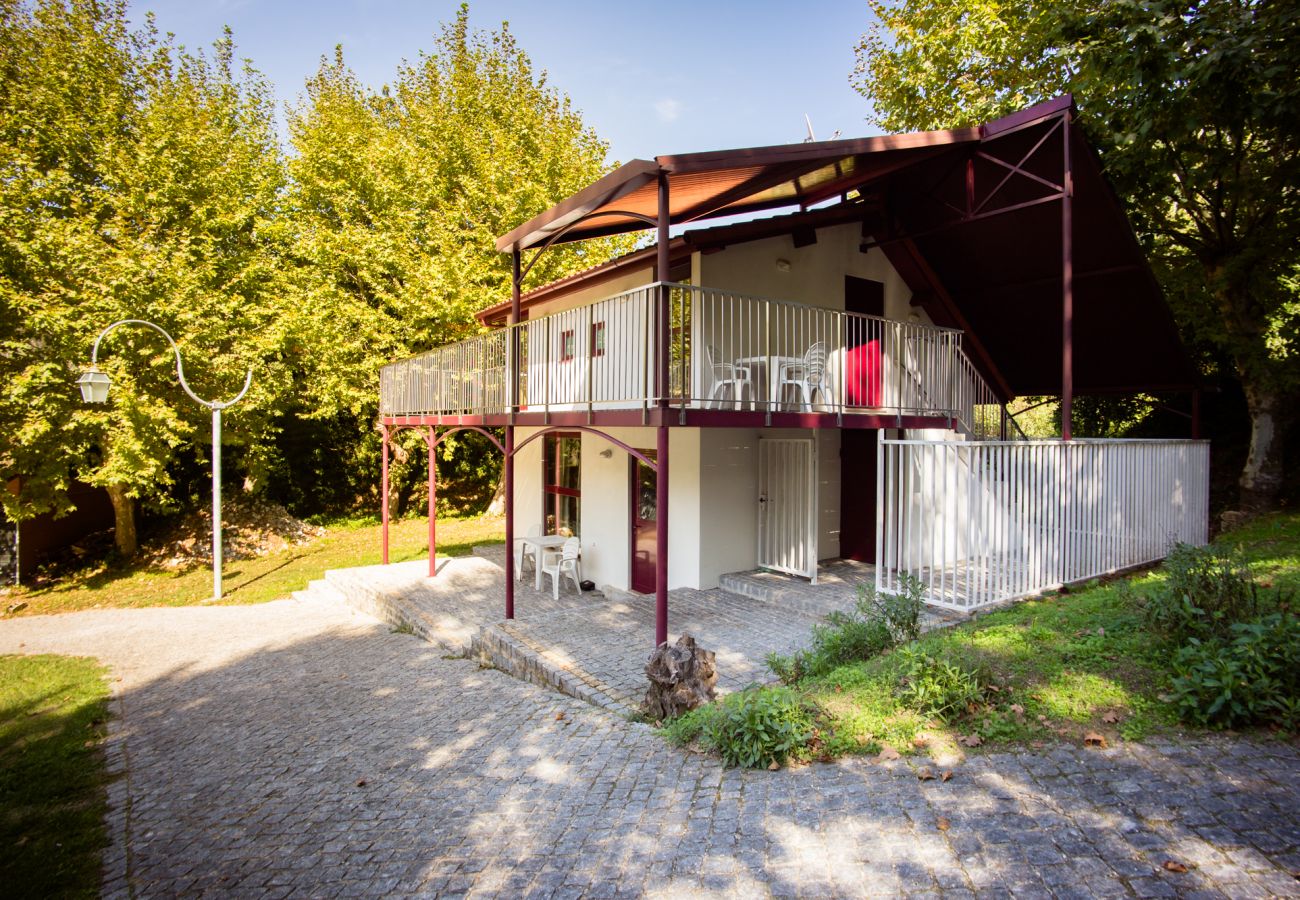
x: 982, y: 522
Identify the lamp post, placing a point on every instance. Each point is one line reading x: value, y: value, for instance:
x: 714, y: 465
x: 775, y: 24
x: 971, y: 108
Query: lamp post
x: 94, y: 386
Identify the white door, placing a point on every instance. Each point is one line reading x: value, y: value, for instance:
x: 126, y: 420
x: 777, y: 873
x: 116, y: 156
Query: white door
x: 787, y: 506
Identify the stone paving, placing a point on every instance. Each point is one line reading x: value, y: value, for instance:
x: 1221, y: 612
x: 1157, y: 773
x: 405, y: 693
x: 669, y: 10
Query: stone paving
x: 594, y: 646
x: 302, y: 749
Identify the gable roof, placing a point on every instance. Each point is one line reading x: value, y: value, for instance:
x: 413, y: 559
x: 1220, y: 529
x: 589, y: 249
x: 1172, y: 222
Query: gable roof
x: 972, y: 215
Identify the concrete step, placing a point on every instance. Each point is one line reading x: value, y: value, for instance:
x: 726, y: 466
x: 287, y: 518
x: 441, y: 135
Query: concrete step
x: 507, y: 648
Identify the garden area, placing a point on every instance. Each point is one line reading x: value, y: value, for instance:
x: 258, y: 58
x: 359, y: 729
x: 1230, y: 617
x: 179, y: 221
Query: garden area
x: 1210, y: 639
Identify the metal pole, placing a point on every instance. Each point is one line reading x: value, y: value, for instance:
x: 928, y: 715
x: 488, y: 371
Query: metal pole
x: 1067, y: 284
x: 510, y: 522
x: 433, y: 505
x: 661, y: 275
x: 383, y: 493
x: 661, y: 535
x: 216, y: 502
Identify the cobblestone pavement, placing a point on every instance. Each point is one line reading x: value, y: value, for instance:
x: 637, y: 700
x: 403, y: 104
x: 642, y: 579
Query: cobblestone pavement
x: 598, y: 643
x: 300, y: 749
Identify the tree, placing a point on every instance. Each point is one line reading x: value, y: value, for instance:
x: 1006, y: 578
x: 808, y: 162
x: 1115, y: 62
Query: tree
x: 395, y: 202
x: 1195, y: 107
x: 141, y: 183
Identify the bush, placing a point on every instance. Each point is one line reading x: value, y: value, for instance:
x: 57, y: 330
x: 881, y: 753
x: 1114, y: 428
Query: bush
x: 1204, y: 595
x: 876, y: 623
x: 1254, y: 678
x: 937, y: 687
x: 759, y: 726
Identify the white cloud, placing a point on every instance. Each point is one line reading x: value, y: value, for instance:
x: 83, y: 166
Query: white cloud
x: 668, y: 109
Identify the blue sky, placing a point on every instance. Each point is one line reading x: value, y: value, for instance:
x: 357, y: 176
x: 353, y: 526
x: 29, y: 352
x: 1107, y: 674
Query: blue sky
x: 653, y: 78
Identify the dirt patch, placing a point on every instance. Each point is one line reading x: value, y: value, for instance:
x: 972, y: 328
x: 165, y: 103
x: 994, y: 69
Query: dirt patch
x: 250, y: 529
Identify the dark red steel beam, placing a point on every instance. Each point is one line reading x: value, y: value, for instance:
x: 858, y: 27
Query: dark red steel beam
x: 1067, y: 284
x: 383, y: 492
x: 432, y: 442
x: 661, y: 536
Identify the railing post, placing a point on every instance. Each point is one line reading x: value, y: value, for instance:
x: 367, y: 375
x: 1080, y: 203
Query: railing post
x: 383, y: 492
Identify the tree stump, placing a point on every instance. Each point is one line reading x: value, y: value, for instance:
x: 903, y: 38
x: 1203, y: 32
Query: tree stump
x: 682, y: 677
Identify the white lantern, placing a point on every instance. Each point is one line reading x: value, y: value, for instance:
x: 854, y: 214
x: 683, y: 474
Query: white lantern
x: 94, y: 386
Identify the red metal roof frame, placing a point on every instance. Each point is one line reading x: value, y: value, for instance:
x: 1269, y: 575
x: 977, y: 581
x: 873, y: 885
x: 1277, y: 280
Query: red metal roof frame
x: 997, y: 262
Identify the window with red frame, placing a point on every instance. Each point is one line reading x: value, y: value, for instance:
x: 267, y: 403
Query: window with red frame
x: 597, y: 338
x: 562, y: 483
x: 568, y: 345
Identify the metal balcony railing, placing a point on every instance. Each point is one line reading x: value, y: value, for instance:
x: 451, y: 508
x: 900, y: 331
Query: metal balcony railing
x: 725, y: 351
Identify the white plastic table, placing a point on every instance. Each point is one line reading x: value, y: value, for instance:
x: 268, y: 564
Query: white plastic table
x: 758, y: 371
x: 540, y: 544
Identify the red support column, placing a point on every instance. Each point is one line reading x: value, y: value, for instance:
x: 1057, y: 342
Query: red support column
x: 510, y: 521
x: 430, y: 439
x: 1067, y: 284
x: 383, y: 492
x: 661, y: 275
x: 512, y: 344
x: 661, y: 535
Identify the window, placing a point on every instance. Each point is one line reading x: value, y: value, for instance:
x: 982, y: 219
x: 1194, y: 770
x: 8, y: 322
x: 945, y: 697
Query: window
x: 568, y: 345
x: 598, y: 339
x: 562, y: 483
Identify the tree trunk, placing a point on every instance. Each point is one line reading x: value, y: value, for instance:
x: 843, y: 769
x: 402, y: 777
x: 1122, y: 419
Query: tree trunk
x: 497, y: 506
x: 123, y: 520
x: 1261, y: 478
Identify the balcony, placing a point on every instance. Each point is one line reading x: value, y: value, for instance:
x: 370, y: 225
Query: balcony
x: 726, y: 352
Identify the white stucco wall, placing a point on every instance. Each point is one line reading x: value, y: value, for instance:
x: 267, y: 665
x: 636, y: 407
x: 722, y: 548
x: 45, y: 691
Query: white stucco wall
x: 605, y: 526
x: 816, y: 274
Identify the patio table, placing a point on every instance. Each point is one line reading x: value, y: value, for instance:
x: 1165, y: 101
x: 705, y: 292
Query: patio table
x: 541, y: 543
x: 760, y: 373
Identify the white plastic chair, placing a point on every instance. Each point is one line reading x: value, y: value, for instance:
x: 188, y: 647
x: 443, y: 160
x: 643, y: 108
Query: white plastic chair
x: 727, y: 376
x: 525, y: 551
x: 807, y: 377
x: 564, y: 563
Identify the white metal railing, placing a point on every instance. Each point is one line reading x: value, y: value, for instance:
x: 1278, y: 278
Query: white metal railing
x: 983, y: 522
x: 725, y: 351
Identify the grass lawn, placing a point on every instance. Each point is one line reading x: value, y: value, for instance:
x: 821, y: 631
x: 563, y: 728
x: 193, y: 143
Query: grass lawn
x: 52, y: 797
x: 1061, y: 667
x: 346, y: 543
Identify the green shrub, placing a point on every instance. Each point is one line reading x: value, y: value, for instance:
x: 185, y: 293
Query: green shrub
x: 1254, y: 678
x: 937, y: 687
x: 875, y: 624
x: 1205, y: 593
x: 759, y: 726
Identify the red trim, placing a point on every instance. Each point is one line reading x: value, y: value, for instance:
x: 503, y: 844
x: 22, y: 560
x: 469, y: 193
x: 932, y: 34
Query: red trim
x: 598, y: 338
x: 568, y: 345
x: 694, y: 418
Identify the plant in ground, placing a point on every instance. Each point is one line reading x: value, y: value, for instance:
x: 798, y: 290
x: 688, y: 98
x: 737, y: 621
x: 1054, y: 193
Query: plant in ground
x: 875, y: 624
x: 52, y: 798
x: 1251, y: 679
x: 1206, y: 591
x: 762, y: 726
x: 937, y: 687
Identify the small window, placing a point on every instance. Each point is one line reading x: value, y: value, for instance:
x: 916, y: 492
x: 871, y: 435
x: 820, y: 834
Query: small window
x: 598, y: 339
x: 562, y: 483
x: 568, y: 346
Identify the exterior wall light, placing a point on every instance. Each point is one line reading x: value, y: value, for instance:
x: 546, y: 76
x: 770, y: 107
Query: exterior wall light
x: 94, y: 386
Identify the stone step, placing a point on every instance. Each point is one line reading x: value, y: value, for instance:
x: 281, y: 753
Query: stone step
x: 507, y: 648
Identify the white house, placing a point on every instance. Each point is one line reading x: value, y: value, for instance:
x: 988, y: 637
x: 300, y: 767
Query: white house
x: 831, y: 381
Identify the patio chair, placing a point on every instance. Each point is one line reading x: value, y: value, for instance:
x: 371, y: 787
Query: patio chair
x: 727, y: 376
x: 525, y: 551
x: 557, y: 565
x: 808, y: 376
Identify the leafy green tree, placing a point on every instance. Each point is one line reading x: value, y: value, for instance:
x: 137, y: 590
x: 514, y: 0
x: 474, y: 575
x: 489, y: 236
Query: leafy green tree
x: 1196, y: 109
x: 141, y: 183
x: 395, y: 202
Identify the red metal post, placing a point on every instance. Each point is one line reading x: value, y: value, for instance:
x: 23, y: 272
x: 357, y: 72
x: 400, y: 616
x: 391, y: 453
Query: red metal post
x: 1196, y: 414
x: 383, y: 492
x: 516, y: 289
x: 661, y: 535
x: 661, y: 275
x: 510, y: 521
x: 1067, y: 284
x: 431, y: 439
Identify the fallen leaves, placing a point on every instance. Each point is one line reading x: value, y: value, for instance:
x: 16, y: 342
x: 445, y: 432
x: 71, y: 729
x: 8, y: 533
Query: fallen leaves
x: 1173, y: 865
x: 1110, y: 718
x: 559, y: 716
x: 887, y: 754
x: 1017, y: 709
x: 946, y: 775
x: 1093, y: 739
x: 773, y: 766
x: 361, y: 782
x: 943, y: 824
x: 924, y: 774
x: 970, y: 740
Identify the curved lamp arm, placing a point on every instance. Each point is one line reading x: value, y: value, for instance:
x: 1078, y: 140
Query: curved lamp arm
x: 180, y: 368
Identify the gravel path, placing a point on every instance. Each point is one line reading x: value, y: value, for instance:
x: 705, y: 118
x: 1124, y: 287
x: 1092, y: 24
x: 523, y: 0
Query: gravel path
x: 298, y: 748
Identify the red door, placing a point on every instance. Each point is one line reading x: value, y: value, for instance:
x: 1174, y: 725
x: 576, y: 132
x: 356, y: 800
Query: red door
x: 644, y: 524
